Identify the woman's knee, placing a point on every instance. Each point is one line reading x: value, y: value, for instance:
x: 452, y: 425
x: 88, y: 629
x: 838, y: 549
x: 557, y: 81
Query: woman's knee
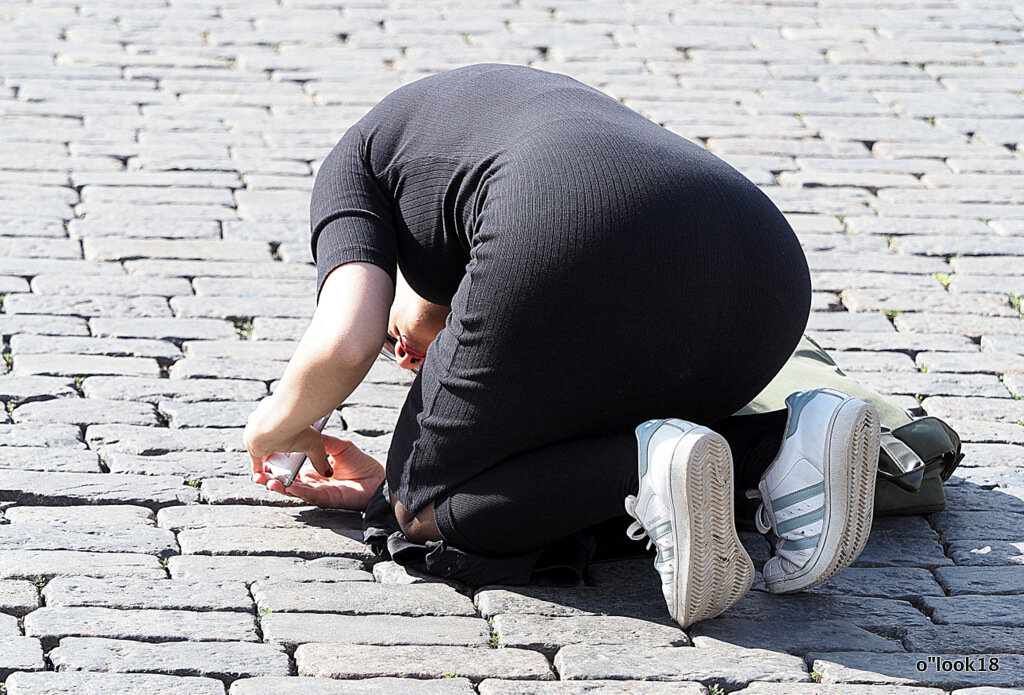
x: 419, y: 527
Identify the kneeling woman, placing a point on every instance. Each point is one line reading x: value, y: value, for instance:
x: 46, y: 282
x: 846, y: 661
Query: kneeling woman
x: 574, y: 271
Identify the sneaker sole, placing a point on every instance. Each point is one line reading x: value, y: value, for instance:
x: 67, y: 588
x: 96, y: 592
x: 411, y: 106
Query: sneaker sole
x: 851, y: 469
x: 713, y: 570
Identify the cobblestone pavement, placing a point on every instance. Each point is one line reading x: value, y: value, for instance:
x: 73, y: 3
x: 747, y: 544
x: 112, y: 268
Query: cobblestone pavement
x: 157, y: 159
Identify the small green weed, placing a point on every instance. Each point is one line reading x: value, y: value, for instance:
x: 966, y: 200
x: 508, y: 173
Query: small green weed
x: 196, y: 483
x: 8, y: 358
x: 39, y: 580
x: 715, y: 689
x: 943, y: 279
x: 260, y: 614
x: 244, y: 328
x: 453, y: 674
x: 891, y: 314
x: 815, y: 676
x: 1017, y: 302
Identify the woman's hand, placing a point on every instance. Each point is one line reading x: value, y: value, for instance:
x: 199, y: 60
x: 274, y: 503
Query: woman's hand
x: 355, y: 477
x: 264, y: 435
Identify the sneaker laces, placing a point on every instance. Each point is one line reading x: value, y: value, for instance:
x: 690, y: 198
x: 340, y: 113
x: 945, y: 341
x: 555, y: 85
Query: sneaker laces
x: 636, y: 530
x: 762, y: 517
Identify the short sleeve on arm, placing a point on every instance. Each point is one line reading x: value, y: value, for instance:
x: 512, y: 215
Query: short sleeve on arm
x: 349, y: 215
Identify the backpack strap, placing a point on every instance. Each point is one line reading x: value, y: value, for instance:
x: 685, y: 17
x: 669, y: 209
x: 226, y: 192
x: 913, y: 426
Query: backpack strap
x: 899, y: 463
x: 925, y: 444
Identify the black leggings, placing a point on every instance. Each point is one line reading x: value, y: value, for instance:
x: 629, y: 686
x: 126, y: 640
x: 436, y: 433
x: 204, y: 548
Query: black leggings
x: 539, y: 497
x: 563, y: 337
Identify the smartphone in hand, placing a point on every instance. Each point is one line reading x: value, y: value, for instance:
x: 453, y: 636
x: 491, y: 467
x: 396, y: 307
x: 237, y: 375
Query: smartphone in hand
x: 285, y: 467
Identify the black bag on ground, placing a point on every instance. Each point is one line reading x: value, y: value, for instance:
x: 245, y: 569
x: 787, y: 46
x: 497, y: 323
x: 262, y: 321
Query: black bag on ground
x: 914, y: 461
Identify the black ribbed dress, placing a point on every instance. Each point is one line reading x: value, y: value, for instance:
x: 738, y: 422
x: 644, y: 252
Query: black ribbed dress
x: 600, y: 269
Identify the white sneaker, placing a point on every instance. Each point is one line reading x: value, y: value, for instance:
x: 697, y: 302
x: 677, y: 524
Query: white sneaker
x: 685, y: 506
x: 818, y: 495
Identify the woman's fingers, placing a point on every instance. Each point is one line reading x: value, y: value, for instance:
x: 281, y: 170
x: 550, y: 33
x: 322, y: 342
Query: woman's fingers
x: 314, y: 494
x: 335, y: 446
x: 258, y: 464
x: 313, y: 446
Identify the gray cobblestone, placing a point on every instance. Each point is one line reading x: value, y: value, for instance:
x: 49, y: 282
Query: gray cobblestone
x: 147, y: 594
x: 901, y: 552
x: 227, y: 368
x: 797, y: 637
x: 98, y: 305
x: 475, y: 663
x: 15, y: 388
x: 228, y: 268
x: 240, y: 349
x: 549, y: 634
x: 213, y: 414
x: 142, y: 440
x: 89, y: 488
x: 20, y: 654
x: 103, y: 538
x: 951, y: 639
x: 292, y: 629
x: 221, y: 660
x: 85, y: 411
x: 727, y: 665
x: 154, y: 390
x: 363, y: 599
x: 254, y: 568
x: 30, y: 564
x: 17, y: 598
x: 904, y: 583
x: 992, y: 363
x: 9, y: 626
x: 833, y: 689
x: 110, y: 514
x: 875, y: 614
x: 306, y: 685
x: 494, y: 686
x: 203, y: 516
x: 642, y: 602
x: 51, y: 624
x: 303, y: 542
x: 76, y: 365
x: 967, y: 498
x: 974, y: 610
x: 238, y: 490
x: 71, y: 683
x: 190, y: 465
x: 1009, y: 455
x: 998, y: 409
x: 114, y: 249
x: 114, y: 347
x: 900, y: 669
x: 55, y: 459
x: 163, y: 328
x: 956, y: 525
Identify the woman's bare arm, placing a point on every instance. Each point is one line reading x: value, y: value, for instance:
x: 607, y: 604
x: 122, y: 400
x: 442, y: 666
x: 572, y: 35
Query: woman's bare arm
x: 334, y: 354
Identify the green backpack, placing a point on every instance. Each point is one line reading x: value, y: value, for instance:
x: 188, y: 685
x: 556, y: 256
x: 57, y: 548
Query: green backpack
x: 916, y: 455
